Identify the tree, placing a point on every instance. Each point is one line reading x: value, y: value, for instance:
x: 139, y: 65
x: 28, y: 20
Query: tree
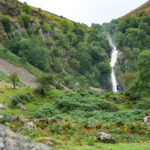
x: 14, y: 78
x: 45, y: 82
x: 142, y: 83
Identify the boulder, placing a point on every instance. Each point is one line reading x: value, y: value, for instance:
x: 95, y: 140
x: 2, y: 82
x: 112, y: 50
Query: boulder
x: 30, y: 124
x: 2, y: 106
x: 106, y: 138
x: 21, y: 106
x: 50, y: 141
x: 12, y: 141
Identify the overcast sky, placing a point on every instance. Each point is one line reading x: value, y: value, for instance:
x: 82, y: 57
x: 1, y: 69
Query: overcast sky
x: 87, y: 11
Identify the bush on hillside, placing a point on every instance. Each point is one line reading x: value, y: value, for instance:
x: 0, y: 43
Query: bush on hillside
x: 46, y: 111
x: 21, y: 98
x: 26, y: 9
x: 6, y: 24
x: 144, y: 104
x: 75, y: 101
x: 25, y: 20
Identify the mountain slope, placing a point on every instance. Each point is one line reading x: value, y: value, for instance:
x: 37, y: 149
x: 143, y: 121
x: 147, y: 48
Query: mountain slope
x: 143, y: 8
x: 71, y: 51
x: 131, y: 35
x: 24, y: 75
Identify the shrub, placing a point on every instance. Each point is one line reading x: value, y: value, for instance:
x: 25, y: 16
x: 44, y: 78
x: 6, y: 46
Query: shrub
x: 46, y: 111
x: 145, y: 104
x: 74, y: 101
x: 45, y: 27
x: 25, y: 19
x: 21, y: 98
x: 6, y: 24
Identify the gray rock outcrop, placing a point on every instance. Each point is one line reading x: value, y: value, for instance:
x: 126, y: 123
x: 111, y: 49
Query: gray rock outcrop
x: 12, y: 141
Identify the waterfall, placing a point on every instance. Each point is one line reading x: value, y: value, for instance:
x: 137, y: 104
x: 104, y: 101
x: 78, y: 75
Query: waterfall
x: 113, y: 62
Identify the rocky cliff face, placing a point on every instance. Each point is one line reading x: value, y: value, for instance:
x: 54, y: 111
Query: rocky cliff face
x: 12, y: 141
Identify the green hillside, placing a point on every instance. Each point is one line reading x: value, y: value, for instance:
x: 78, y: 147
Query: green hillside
x: 71, y: 51
x: 60, y: 53
x: 131, y: 35
x: 143, y: 8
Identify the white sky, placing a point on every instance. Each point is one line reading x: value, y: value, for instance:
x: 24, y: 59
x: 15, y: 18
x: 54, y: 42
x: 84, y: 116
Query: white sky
x: 87, y: 11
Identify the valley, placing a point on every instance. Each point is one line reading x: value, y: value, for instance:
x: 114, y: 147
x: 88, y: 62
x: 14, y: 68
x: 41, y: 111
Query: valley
x: 58, y: 80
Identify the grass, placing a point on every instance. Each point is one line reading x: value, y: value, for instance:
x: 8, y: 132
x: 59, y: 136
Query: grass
x: 63, y: 130
x: 6, y: 92
x: 101, y: 146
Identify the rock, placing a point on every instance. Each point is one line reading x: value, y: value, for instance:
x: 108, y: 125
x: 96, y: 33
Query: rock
x: 97, y: 90
x: 30, y: 125
x: 106, y: 138
x: 10, y: 97
x: 49, y: 141
x: 2, y: 106
x: 47, y: 120
x: 12, y: 141
x: 21, y: 106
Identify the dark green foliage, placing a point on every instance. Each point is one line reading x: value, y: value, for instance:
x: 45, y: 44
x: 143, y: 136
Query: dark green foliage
x: 142, y: 83
x: 6, y: 24
x: 81, y: 101
x: 75, y: 101
x: 32, y: 49
x: 57, y: 65
x: 45, y: 81
x: 144, y: 104
x: 21, y: 98
x: 46, y: 111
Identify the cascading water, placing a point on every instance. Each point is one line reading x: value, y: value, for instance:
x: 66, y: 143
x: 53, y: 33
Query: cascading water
x: 113, y: 62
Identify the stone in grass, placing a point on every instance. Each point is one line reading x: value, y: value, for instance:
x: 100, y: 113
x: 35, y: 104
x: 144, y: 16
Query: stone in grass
x: 106, y: 138
x: 21, y: 106
x: 2, y: 106
x: 30, y: 124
